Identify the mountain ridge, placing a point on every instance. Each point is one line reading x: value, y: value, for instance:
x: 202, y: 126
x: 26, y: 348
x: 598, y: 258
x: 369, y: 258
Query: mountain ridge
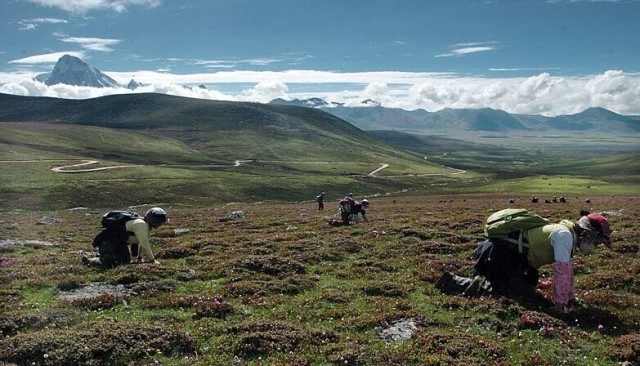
x: 372, y: 116
x: 483, y: 119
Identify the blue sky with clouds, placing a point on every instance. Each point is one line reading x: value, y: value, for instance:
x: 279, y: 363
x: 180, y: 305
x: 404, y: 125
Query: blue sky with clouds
x: 523, y: 56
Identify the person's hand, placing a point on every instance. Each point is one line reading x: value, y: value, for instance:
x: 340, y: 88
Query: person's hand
x: 576, y: 303
x: 560, y: 307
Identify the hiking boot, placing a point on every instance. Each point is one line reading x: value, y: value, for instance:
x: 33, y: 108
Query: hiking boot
x: 478, y: 287
x: 85, y: 259
x: 443, y: 280
x: 452, y: 284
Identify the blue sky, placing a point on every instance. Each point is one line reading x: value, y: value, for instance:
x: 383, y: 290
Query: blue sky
x: 523, y: 56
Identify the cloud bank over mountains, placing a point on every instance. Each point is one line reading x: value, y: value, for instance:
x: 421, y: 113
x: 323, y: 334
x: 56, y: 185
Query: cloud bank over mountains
x: 486, y: 54
x: 541, y: 94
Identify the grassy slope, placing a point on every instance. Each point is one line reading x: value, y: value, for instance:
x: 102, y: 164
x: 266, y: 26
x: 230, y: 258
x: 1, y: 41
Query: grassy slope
x: 282, y: 288
x: 188, y: 145
x: 293, y: 152
x: 622, y: 168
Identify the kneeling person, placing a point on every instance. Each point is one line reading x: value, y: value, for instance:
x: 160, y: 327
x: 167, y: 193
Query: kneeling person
x: 113, y: 242
x: 506, y: 271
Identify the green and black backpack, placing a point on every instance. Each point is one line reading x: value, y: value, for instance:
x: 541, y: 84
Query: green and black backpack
x: 112, y: 240
x: 511, y: 223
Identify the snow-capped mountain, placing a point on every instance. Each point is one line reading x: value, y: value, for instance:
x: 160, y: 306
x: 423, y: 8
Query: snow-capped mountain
x: 133, y: 85
x: 73, y: 71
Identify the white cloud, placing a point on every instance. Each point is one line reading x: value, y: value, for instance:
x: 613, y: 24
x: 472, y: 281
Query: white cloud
x: 46, y: 58
x: 29, y: 24
x: 83, y: 6
x: 462, y: 49
x: 290, y: 58
x: 92, y: 44
x: 265, y: 91
x: 465, y: 51
x: 538, y: 94
x: 261, y: 61
x: 216, y: 64
x: 30, y: 87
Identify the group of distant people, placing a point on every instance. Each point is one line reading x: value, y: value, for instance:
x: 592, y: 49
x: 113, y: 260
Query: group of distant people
x: 350, y: 210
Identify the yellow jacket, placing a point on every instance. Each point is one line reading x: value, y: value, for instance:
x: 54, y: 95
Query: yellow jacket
x: 540, y: 246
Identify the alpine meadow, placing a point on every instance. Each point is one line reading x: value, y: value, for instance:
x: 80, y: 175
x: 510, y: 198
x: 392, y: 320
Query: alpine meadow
x: 279, y: 285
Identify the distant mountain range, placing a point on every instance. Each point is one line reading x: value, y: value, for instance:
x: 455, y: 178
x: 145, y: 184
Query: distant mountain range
x: 371, y: 116
x: 484, y: 119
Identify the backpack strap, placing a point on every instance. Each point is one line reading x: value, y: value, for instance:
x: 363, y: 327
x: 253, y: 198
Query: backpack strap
x: 519, y: 242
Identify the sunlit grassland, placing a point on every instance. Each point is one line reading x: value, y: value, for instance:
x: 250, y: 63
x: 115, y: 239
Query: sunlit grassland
x: 560, y: 185
x: 303, y: 292
x: 96, y: 142
x: 142, y: 184
x: 393, y: 167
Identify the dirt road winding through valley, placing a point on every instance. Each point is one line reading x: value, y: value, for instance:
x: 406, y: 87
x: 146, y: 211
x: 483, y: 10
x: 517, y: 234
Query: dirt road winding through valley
x: 81, y: 167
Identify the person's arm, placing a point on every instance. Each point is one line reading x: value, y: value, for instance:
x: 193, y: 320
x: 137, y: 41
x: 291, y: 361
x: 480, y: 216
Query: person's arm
x: 563, y: 285
x: 141, y: 230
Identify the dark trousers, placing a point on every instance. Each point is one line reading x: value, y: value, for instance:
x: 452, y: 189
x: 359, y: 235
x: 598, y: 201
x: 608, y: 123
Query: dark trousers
x: 507, y: 269
x: 345, y: 217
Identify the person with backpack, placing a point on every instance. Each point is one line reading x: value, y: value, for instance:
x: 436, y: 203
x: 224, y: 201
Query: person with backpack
x: 359, y: 208
x: 124, y: 228
x: 508, y: 264
x: 345, y: 208
x: 320, y: 200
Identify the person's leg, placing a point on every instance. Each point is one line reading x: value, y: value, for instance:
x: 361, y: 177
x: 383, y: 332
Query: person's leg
x: 452, y: 284
x: 345, y: 217
x: 91, y: 261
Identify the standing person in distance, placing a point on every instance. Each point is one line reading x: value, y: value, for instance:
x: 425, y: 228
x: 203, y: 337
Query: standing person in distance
x: 320, y: 200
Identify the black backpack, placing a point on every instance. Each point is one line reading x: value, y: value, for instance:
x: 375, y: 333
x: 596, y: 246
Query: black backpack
x: 112, y: 240
x: 117, y: 219
x: 505, y: 266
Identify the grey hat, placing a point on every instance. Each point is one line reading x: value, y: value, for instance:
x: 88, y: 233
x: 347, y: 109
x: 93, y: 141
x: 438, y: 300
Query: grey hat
x: 156, y: 216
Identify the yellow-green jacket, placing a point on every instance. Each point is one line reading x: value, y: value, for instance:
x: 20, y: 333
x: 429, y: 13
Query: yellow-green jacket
x: 540, y: 246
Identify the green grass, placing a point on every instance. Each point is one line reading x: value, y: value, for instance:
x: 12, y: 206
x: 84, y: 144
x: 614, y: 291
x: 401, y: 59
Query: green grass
x: 561, y: 185
x: 302, y: 292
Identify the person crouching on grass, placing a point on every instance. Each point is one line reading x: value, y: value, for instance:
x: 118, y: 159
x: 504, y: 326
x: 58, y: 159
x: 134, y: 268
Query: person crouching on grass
x: 510, y: 273
x: 141, y: 229
x: 113, y: 244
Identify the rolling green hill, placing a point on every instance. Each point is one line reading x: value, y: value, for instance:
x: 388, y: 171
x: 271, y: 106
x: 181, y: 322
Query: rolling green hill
x: 190, y: 150
x: 141, y: 148
x: 223, y: 130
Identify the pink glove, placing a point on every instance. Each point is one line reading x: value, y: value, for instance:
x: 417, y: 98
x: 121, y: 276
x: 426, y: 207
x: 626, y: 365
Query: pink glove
x: 563, y: 289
